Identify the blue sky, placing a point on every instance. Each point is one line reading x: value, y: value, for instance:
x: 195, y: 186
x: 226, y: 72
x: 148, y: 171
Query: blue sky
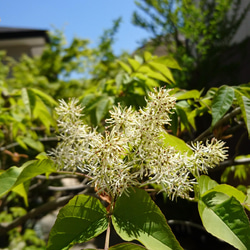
x: 82, y: 18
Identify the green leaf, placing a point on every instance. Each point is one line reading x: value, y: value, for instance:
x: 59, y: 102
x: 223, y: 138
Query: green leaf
x: 26, y: 100
x: 37, y: 145
x: 163, y: 69
x: 136, y: 217
x: 147, y: 56
x: 244, y: 104
x: 177, y: 143
x: 8, y: 179
x: 127, y: 246
x: 230, y: 191
x: 206, y: 184
x: 168, y: 61
x: 102, y: 109
x: 194, y: 94
x: 182, y: 111
x: 221, y: 103
x: 13, y: 177
x: 41, y: 112
x: 22, y: 190
x: 34, y: 168
x: 82, y: 219
x: 224, y: 217
x: 47, y: 99
x: 135, y: 64
x: 125, y: 67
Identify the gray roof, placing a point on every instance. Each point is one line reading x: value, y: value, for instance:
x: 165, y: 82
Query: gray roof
x: 14, y: 33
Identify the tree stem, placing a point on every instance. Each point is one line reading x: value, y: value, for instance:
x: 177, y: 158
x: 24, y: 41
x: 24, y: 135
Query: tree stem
x: 106, y: 247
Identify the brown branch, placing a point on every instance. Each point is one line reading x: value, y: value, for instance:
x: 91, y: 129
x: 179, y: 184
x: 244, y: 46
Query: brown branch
x: 225, y: 119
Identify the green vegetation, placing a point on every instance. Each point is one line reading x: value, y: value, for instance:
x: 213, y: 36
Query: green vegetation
x: 32, y: 183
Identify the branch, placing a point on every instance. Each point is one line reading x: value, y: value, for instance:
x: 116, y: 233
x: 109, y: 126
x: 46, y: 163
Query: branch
x: 225, y: 119
x: 47, y: 207
x: 52, y: 188
x: 186, y: 223
x: 14, y: 144
x: 234, y: 162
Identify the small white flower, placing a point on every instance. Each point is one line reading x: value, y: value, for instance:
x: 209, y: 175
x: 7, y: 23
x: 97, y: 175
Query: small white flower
x: 131, y: 153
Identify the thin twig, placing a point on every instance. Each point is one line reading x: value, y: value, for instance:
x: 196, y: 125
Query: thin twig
x: 56, y: 177
x: 186, y: 223
x: 234, y: 162
x: 76, y: 187
x: 225, y: 119
x: 14, y: 144
x: 47, y: 207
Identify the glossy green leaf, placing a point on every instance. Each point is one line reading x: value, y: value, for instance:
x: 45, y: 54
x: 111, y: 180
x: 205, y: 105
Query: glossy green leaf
x: 230, y: 191
x: 8, y: 179
x: 221, y: 103
x: 136, y: 217
x: 127, y: 246
x: 206, y: 184
x: 244, y: 104
x: 82, y: 219
x: 224, y: 217
x: 177, y: 143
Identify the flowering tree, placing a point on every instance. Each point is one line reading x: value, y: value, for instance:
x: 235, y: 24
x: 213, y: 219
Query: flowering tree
x: 137, y: 155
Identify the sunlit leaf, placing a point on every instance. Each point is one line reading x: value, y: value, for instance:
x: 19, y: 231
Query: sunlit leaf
x: 147, y: 56
x: 47, y: 99
x: 177, y: 143
x: 8, y: 179
x: 222, y: 213
x: 136, y: 217
x: 182, y: 95
x: 22, y: 190
x: 37, y: 145
x: 168, y: 61
x: 82, y: 219
x: 125, y: 67
x: 127, y: 246
x: 224, y: 217
x: 221, y: 103
x: 163, y: 69
x: 135, y: 64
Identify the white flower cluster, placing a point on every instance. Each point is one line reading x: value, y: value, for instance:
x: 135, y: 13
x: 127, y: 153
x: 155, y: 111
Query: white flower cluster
x: 132, y: 152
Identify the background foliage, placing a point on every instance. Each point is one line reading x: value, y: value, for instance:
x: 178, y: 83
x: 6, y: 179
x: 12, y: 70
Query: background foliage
x: 31, y: 187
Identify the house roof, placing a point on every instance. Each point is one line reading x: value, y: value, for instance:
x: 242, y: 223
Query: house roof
x: 15, y: 33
